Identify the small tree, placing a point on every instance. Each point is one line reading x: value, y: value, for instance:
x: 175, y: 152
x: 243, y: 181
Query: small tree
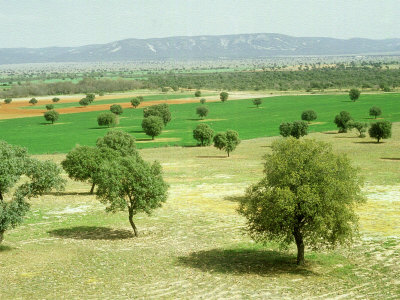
x: 51, y: 116
x: 342, y: 120
x: 257, y: 102
x: 295, y: 129
x: 7, y: 100
x: 197, y: 94
x: 380, y: 130
x: 360, y: 126
x: 203, y: 134
x: 202, y: 111
x: 84, y: 102
x: 354, y: 94
x: 159, y: 110
x: 375, y: 111
x: 133, y: 184
x: 152, y: 126
x: 227, y: 141
x: 90, y: 97
x: 49, y: 106
x: 203, y: 100
x: 116, y: 109
x: 33, y: 101
x: 307, y: 196
x: 223, y: 96
x: 107, y: 119
x: 135, y: 102
x: 308, y: 115
x: 55, y: 99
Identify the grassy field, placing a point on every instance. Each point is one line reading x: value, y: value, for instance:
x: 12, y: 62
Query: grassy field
x: 195, y: 246
x: 241, y: 115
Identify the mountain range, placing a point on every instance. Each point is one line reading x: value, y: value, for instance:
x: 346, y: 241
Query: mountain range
x: 203, y: 47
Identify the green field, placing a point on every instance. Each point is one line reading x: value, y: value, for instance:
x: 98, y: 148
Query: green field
x: 241, y: 115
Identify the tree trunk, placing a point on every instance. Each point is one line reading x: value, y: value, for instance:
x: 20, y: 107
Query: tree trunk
x: 228, y: 153
x: 300, y: 246
x: 1, y: 236
x: 131, y: 221
x: 1, y: 197
x: 92, y: 189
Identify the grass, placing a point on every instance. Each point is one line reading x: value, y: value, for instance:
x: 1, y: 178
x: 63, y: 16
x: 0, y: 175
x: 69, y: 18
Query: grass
x: 239, y: 115
x: 195, y: 245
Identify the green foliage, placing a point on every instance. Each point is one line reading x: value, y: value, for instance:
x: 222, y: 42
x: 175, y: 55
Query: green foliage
x: 116, y: 109
x: 202, y: 111
x: 133, y: 184
x: 307, y: 196
x: 49, y: 106
x: 84, y: 102
x: 257, y: 102
x: 101, y: 94
x: 135, y: 102
x: 33, y: 101
x: 354, y: 94
x: 227, y: 141
x: 360, y: 126
x: 56, y: 99
x: 164, y: 89
x: 203, y: 134
x: 380, y: 130
x: 197, y: 94
x: 7, y: 100
x: 295, y: 129
x: 203, y: 100
x: 375, y: 111
x: 159, y: 110
x: 90, y: 97
x: 51, y: 116
x: 308, y: 115
x: 223, y: 96
x: 107, y: 119
x: 120, y: 141
x: 152, y: 126
x: 342, y: 121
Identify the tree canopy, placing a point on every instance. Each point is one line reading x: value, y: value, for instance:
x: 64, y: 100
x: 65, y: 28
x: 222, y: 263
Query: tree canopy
x: 354, y: 94
x: 203, y: 134
x: 342, y: 121
x: 308, y: 115
x: 223, y: 96
x: 152, y: 126
x: 159, y: 110
x: 380, y: 130
x: 307, y: 196
x: 107, y: 119
x: 375, y: 111
x: 51, y: 116
x: 116, y: 109
x: 295, y: 129
x: 226, y: 141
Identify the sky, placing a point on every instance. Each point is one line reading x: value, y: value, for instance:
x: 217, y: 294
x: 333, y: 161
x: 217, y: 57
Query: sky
x: 46, y: 23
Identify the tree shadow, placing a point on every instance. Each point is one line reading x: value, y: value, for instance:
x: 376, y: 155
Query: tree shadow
x: 235, y: 198
x: 346, y: 137
x: 69, y: 193
x: 266, y: 146
x: 195, y: 119
x: 212, y: 156
x: 98, y: 127
x: 348, y: 101
x: 330, y: 132
x: 390, y: 158
x: 369, y: 142
x: 244, y: 261
x: 144, y: 140
x: 43, y: 123
x: 136, y: 131
x: 4, y: 248
x: 91, y: 233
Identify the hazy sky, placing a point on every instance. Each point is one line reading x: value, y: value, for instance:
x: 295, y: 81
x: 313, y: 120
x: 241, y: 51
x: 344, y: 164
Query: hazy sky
x: 42, y: 23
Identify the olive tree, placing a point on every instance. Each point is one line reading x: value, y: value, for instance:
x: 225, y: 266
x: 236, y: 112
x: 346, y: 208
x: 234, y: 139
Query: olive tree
x: 117, y: 140
x: 295, y: 129
x: 223, y: 96
x: 360, y: 126
x: 257, y: 102
x: 342, y: 121
x: 7, y: 100
x: 202, y: 111
x: 116, y: 109
x: 84, y: 102
x: 107, y: 119
x: 375, y: 111
x: 203, y: 100
x: 135, y: 102
x: 152, y: 126
x: 129, y: 183
x: 197, y: 94
x: 33, y: 101
x: 354, y: 94
x: 159, y: 110
x: 51, y: 116
x: 49, y: 106
x: 380, y: 130
x: 203, y: 134
x: 226, y: 141
x: 308, y: 115
x: 55, y: 99
x: 307, y: 196
x: 90, y: 97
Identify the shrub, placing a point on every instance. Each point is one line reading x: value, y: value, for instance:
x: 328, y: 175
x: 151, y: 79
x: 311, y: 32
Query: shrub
x: 202, y: 111
x: 49, y: 106
x: 7, y: 100
x: 116, y: 109
x: 51, y: 116
x: 203, y: 100
x: 342, y: 120
x: 33, y: 101
x: 375, y: 111
x: 361, y: 127
x: 84, y: 102
x: 354, y: 94
x: 203, y: 134
x: 55, y: 99
x: 308, y: 115
x: 90, y: 97
x: 107, y: 119
x: 164, y: 89
x: 135, y: 102
x: 223, y: 96
x: 380, y: 130
x: 197, y: 94
x: 152, y: 126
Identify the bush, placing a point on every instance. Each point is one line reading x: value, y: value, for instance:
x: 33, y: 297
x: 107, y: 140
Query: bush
x: 197, y: 94
x: 164, y: 89
x: 152, y: 126
x: 55, y: 99
x: 295, y: 129
x: 33, y: 101
x: 203, y: 134
x: 202, y: 111
x: 90, y: 97
x: 257, y: 102
x: 380, y: 130
x: 223, y: 96
x: 107, y: 119
x: 84, y: 102
x: 375, y: 111
x: 116, y: 109
x: 51, y: 116
x: 135, y: 102
x: 354, y: 94
x: 308, y: 115
x: 361, y: 127
x: 101, y: 94
x: 49, y: 106
x: 342, y: 120
x: 203, y: 100
x: 7, y: 100
x: 159, y: 110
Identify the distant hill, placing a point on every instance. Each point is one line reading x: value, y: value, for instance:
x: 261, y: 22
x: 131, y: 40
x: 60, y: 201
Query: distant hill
x: 202, y: 47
